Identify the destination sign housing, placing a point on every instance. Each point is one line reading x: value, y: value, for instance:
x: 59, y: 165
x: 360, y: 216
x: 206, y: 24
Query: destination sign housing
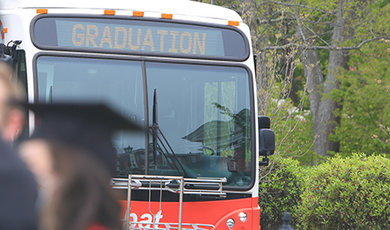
x: 137, y: 36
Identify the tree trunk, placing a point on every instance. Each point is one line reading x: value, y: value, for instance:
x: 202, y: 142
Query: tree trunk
x: 323, y: 107
x: 321, y: 104
x: 314, y: 79
x: 263, y: 71
x: 326, y: 120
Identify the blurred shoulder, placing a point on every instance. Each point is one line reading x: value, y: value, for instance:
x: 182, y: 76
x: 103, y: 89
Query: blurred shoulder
x: 97, y: 227
x: 18, y: 192
x: 13, y: 171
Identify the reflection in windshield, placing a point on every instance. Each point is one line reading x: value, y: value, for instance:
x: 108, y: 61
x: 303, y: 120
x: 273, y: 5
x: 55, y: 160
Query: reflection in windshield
x: 203, y: 113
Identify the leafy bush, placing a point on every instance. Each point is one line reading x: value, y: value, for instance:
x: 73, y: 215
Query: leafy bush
x: 347, y: 193
x: 364, y: 97
x: 279, y: 191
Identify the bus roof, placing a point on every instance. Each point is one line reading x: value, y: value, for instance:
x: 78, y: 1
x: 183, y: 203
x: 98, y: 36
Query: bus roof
x: 178, y: 7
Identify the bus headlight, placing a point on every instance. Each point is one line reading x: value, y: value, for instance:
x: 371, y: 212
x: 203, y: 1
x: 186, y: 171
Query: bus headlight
x: 242, y: 216
x: 230, y: 223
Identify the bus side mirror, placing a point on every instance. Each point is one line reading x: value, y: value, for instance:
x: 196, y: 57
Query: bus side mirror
x: 266, y: 139
x: 7, y: 51
x: 264, y: 122
x: 3, y: 55
x: 266, y: 142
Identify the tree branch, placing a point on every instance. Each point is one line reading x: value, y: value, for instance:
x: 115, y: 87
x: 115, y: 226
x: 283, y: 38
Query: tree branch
x: 310, y: 47
x: 292, y: 5
x: 300, y: 27
x: 315, y: 34
x: 267, y: 21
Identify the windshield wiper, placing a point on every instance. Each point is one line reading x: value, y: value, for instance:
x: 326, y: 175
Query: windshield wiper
x: 154, y: 128
x: 51, y: 95
x: 159, y: 141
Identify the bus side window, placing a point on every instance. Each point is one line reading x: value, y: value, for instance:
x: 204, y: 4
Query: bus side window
x: 19, y: 59
x: 20, y: 73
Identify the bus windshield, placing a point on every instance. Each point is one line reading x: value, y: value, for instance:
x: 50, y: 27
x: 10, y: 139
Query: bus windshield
x: 203, y: 112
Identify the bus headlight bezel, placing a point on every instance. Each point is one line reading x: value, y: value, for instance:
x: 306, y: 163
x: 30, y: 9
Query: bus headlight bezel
x: 230, y: 223
x: 242, y: 216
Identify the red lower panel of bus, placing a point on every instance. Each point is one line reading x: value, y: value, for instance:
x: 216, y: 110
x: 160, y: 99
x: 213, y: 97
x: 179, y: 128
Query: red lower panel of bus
x: 196, y: 215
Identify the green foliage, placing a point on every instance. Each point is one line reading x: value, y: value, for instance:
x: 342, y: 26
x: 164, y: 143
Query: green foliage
x: 347, y: 193
x: 292, y: 127
x: 377, y: 19
x: 293, y: 133
x: 364, y: 95
x: 279, y: 191
x: 231, y: 4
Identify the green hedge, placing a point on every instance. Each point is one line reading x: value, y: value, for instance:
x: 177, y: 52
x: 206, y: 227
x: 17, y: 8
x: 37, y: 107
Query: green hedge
x: 279, y: 191
x: 342, y: 193
x: 347, y: 193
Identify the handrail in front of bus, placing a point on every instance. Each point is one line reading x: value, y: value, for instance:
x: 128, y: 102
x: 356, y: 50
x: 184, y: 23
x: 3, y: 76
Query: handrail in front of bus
x: 201, y: 185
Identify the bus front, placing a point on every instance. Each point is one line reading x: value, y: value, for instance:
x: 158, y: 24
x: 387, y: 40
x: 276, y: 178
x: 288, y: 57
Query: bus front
x: 189, y: 82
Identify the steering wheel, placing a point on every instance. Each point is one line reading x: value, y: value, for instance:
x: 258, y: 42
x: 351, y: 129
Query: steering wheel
x: 208, y: 148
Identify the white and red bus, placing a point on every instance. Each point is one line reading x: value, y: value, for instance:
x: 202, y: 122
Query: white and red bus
x: 183, y: 69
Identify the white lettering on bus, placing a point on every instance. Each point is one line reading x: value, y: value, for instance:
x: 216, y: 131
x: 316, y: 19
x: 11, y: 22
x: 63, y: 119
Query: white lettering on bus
x: 197, y: 41
x: 180, y: 42
x: 80, y: 36
x: 189, y: 45
x: 123, y: 31
x: 148, y: 40
x: 173, y: 48
x: 145, y: 220
x: 162, y: 33
x: 91, y: 36
x: 131, y: 46
x: 106, y: 38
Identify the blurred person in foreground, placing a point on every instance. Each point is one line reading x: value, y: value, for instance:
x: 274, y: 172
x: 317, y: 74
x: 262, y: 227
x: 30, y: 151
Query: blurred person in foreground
x: 18, y: 189
x: 72, y: 156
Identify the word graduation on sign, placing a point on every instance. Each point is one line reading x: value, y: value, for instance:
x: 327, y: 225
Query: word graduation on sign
x: 139, y: 38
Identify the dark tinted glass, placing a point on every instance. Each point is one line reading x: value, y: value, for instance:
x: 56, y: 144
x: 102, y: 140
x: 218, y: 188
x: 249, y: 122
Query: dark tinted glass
x: 117, y: 83
x: 203, y: 113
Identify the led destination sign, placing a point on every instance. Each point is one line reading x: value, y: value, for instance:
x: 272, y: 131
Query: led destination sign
x: 139, y: 38
x: 136, y: 36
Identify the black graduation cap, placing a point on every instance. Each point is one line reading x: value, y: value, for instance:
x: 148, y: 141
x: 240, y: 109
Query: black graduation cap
x: 86, y: 126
